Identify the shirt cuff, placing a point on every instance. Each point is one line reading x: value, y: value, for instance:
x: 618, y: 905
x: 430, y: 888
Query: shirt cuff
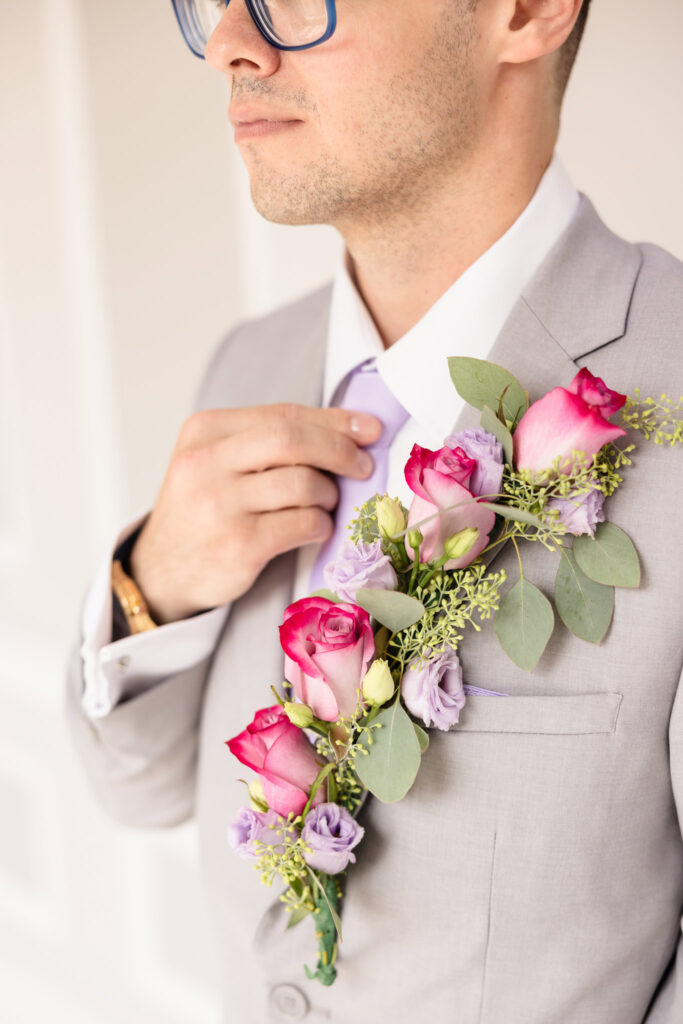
x: 114, y: 671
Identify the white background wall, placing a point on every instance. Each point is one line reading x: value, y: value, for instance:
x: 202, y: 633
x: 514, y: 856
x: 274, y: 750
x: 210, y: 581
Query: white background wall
x: 127, y: 248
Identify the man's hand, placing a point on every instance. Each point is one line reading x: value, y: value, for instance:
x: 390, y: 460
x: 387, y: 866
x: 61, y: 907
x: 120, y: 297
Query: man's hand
x: 242, y: 486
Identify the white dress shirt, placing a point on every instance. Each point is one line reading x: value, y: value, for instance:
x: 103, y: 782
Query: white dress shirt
x: 465, y: 321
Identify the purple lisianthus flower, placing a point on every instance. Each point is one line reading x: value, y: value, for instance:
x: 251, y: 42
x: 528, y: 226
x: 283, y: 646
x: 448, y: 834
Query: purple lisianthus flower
x: 433, y: 690
x: 252, y: 827
x: 331, y: 833
x: 243, y: 832
x: 580, y: 514
x: 359, y: 565
x: 488, y: 452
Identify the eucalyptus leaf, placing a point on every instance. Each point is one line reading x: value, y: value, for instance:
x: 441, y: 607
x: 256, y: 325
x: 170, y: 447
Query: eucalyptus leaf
x: 392, y: 761
x: 320, y: 778
x: 585, y: 607
x: 395, y: 610
x: 490, y: 422
x: 422, y: 737
x: 327, y: 594
x: 298, y: 914
x: 517, y: 515
x: 482, y: 383
x: 609, y: 557
x: 523, y: 624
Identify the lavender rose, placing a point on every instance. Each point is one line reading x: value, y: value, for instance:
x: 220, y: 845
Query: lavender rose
x: 580, y: 514
x: 360, y: 565
x: 488, y: 453
x: 331, y: 833
x: 433, y: 690
x: 252, y: 827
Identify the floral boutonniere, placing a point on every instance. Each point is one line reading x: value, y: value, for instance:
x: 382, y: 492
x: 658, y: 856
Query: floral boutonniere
x: 372, y: 662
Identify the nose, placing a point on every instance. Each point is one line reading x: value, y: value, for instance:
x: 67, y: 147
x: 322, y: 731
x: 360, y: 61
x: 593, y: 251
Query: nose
x: 237, y: 45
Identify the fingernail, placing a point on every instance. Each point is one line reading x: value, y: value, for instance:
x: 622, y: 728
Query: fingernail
x: 365, y: 463
x: 362, y: 423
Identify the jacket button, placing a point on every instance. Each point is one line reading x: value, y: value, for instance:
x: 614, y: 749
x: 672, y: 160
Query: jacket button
x: 289, y: 1002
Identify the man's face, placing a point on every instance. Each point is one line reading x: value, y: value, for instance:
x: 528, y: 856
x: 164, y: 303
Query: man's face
x: 371, y: 120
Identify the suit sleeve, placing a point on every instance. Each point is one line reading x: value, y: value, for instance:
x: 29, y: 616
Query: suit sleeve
x: 133, y: 703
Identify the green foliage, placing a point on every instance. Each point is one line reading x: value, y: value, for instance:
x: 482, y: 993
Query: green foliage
x: 344, y: 780
x: 389, y: 760
x: 452, y: 601
x: 524, y: 623
x: 320, y: 778
x: 661, y: 421
x: 285, y: 857
x: 422, y: 737
x: 482, y: 383
x: 395, y: 610
x: 609, y: 558
x: 528, y: 495
x: 585, y: 607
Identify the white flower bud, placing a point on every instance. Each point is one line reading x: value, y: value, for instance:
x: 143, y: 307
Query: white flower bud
x: 391, y: 518
x: 257, y: 796
x: 378, y: 684
x: 414, y: 539
x: 458, y: 545
x: 299, y: 715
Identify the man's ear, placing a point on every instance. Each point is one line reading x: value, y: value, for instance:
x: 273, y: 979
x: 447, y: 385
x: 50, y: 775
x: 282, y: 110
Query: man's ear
x: 536, y: 28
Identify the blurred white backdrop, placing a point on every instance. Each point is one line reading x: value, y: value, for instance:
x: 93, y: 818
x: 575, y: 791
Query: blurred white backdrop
x: 128, y: 247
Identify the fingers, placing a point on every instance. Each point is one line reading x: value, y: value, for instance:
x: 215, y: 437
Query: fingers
x: 211, y: 425
x: 290, y: 528
x: 292, y: 443
x: 287, y: 487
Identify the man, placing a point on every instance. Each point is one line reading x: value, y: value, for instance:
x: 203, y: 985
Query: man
x: 534, y: 873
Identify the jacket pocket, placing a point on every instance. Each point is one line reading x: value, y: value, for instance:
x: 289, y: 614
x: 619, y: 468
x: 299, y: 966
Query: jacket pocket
x: 575, y: 715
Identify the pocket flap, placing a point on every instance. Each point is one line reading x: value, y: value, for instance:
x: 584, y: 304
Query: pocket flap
x: 580, y: 714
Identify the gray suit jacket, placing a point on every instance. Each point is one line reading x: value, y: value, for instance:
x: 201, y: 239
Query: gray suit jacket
x: 534, y: 873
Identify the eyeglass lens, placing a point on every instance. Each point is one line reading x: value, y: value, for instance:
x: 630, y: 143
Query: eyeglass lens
x: 285, y: 23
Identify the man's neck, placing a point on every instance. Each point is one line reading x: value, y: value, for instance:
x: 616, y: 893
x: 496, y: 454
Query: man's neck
x: 404, y: 267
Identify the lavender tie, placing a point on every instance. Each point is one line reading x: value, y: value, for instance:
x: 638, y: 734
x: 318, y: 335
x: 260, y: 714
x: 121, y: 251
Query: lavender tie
x: 366, y: 392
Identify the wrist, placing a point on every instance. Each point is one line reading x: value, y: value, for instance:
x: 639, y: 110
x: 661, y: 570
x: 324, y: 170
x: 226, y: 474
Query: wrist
x: 158, y: 593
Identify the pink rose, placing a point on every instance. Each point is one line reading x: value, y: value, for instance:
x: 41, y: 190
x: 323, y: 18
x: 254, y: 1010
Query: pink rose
x: 567, y: 420
x: 283, y: 757
x: 327, y: 651
x: 438, y: 480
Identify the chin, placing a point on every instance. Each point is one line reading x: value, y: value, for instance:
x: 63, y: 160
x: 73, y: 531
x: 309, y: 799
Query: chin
x: 288, y: 204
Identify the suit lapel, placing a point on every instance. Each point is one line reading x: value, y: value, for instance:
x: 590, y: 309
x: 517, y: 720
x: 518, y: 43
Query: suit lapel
x: 576, y: 303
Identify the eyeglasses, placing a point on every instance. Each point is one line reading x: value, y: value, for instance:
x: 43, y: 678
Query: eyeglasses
x: 285, y: 24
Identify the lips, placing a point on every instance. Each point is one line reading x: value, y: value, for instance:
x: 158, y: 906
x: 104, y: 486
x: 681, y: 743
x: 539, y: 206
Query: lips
x: 244, y: 115
x: 262, y: 129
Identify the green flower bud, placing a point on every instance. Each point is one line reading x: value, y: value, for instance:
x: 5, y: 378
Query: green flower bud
x: 415, y: 539
x: 299, y: 714
x: 378, y: 684
x: 458, y: 545
x: 391, y: 518
x: 257, y: 796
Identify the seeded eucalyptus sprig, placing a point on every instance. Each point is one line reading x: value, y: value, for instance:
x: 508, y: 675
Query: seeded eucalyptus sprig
x: 659, y: 420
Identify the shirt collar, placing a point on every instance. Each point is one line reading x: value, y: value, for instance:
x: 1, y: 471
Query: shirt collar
x: 466, y: 320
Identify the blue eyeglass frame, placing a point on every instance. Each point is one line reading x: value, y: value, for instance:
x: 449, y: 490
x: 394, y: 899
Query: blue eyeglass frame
x: 183, y: 16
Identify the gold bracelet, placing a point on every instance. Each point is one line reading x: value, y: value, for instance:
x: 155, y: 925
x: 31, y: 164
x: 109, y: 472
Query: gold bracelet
x: 131, y: 600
